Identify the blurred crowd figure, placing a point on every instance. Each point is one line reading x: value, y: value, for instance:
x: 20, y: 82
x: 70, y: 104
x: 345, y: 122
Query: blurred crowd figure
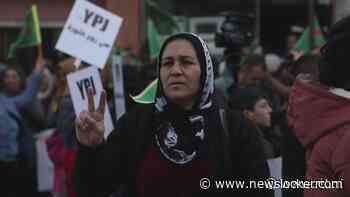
x: 19, y: 119
x: 296, y: 101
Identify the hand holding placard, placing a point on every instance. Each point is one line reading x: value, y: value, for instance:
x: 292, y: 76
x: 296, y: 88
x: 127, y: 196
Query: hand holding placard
x: 90, y: 124
x: 79, y: 83
x: 88, y: 35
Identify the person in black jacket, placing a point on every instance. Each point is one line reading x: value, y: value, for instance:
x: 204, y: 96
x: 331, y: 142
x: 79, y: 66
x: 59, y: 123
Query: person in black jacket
x: 174, y: 146
x: 255, y: 105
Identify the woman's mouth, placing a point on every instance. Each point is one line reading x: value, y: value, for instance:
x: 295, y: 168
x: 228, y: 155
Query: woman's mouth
x: 176, y: 83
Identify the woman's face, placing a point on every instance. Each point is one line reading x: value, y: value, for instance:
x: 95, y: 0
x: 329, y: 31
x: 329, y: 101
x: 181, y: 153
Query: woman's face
x: 262, y: 113
x: 12, y: 81
x: 180, y: 73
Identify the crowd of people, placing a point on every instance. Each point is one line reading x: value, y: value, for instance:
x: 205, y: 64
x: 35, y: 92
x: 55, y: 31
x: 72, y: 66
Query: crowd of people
x: 204, y: 123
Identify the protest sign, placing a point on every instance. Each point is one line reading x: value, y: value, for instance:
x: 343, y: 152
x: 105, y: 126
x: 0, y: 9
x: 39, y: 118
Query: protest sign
x: 78, y: 83
x: 275, y: 167
x: 89, y: 33
x: 118, y: 81
x: 45, y: 167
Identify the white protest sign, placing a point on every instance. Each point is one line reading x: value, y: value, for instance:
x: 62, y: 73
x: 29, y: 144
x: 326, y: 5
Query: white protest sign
x: 78, y: 83
x: 89, y: 33
x: 275, y: 166
x: 118, y: 81
x: 45, y: 167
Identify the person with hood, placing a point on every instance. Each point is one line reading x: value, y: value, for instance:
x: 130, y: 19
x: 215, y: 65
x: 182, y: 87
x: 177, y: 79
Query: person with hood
x: 166, y: 148
x: 319, y: 114
x: 293, y: 152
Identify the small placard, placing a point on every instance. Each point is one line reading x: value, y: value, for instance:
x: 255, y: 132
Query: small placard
x: 78, y: 83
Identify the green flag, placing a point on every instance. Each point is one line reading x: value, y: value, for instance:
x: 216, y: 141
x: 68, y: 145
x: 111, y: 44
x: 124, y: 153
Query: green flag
x: 303, y: 43
x: 30, y: 34
x: 164, y: 20
x: 153, y: 39
x: 148, y: 94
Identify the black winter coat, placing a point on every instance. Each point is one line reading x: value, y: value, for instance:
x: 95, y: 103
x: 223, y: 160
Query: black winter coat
x: 235, y: 153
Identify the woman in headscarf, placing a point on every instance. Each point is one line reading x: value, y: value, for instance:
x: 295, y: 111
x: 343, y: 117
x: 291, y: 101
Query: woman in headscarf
x: 166, y: 148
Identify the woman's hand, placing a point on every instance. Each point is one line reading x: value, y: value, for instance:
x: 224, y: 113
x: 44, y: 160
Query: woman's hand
x: 90, y: 124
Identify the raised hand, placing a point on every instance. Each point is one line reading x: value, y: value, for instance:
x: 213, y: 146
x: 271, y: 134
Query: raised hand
x: 90, y: 124
x: 40, y: 64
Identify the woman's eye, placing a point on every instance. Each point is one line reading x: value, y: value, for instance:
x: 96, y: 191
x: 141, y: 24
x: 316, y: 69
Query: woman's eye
x: 167, y: 63
x: 187, y: 62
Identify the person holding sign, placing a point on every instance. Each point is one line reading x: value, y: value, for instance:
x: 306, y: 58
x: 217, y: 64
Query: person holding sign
x: 167, y: 148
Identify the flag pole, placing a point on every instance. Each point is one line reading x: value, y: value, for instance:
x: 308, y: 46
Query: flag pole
x: 40, y: 51
x: 311, y: 23
x: 37, y: 27
x: 257, y: 21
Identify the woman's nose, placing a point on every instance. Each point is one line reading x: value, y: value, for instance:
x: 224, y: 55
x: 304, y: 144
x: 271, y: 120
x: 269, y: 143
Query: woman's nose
x: 176, y: 68
x: 269, y: 109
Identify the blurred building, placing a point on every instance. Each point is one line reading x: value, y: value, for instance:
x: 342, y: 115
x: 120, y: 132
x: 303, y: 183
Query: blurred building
x: 53, y: 14
x: 199, y: 16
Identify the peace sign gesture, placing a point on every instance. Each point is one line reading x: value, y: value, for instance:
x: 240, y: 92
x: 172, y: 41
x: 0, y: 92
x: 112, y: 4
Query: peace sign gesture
x: 90, y: 124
